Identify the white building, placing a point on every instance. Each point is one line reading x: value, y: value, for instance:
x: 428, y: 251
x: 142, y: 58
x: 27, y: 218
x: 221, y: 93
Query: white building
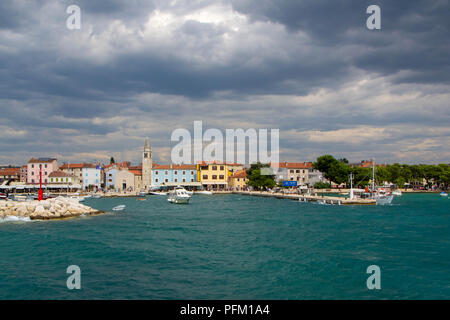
x: 91, y: 177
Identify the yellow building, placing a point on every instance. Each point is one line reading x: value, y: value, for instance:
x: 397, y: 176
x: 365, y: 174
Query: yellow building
x: 238, y: 181
x: 213, y: 175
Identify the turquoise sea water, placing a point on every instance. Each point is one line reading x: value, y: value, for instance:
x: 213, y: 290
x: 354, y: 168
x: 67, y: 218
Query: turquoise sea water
x: 233, y: 247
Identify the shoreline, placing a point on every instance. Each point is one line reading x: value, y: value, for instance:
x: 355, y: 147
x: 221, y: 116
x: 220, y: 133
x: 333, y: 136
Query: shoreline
x: 59, y: 208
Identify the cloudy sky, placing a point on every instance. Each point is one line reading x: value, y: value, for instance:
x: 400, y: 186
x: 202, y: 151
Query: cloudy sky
x: 140, y: 68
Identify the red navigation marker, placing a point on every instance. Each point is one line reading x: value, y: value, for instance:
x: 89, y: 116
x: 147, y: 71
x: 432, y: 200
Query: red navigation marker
x: 40, y: 194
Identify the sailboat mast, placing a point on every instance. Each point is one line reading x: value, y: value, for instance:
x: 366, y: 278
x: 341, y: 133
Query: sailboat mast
x: 373, y: 174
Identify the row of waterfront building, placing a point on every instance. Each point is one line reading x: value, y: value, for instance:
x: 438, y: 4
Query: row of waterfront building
x: 125, y: 177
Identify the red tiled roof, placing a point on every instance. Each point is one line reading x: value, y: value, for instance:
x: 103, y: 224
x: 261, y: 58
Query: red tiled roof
x: 46, y: 160
x: 136, y: 172
x: 72, y: 166
x: 240, y: 174
x: 10, y: 172
x: 204, y: 163
x: 174, y: 167
x: 294, y: 165
x: 58, y: 174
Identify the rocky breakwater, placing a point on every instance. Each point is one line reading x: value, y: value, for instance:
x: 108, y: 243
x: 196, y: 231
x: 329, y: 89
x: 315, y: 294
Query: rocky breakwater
x: 57, y: 208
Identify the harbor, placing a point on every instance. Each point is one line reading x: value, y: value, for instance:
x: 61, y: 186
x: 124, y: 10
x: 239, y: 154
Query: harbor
x: 331, y: 200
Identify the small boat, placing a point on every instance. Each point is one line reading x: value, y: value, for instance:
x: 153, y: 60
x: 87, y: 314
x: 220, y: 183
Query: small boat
x: 159, y: 193
x: 383, y: 199
x: 179, y: 195
x: 444, y: 194
x: 119, y: 208
x: 204, y: 192
x: 97, y: 196
x: 2, y: 196
x: 397, y: 193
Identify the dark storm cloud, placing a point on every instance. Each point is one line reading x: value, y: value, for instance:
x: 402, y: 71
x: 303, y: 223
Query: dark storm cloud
x: 139, y: 68
x: 413, y: 35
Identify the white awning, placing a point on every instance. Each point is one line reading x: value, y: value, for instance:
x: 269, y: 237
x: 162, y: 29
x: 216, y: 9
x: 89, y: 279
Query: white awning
x: 214, y: 183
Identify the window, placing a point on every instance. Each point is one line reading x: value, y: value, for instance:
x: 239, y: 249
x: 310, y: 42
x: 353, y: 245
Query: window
x: 32, y: 173
x: 156, y: 172
x: 45, y: 166
x: 291, y: 171
x: 176, y: 180
x: 184, y: 173
x: 221, y: 167
x: 184, y: 180
x: 176, y: 172
x: 45, y: 180
x: 167, y: 172
x: 214, y: 177
x: 32, y: 165
x: 32, y: 180
x: 192, y: 173
x: 45, y: 172
x: 214, y: 167
x: 192, y: 180
x: 297, y: 171
x: 205, y: 176
x: 239, y: 179
x: 167, y: 180
x: 156, y: 180
x: 221, y: 177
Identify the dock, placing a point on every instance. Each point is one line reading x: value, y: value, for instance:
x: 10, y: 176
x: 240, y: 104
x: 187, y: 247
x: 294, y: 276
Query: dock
x: 309, y: 198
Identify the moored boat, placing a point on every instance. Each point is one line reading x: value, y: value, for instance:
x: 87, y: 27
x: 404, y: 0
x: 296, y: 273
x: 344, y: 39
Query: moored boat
x: 444, y: 194
x: 204, y: 192
x: 119, y: 207
x: 179, y: 195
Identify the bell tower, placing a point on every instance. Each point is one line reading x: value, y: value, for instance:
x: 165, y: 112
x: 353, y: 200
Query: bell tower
x: 147, y: 164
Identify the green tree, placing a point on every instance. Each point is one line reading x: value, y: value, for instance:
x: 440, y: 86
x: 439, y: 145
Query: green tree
x: 112, y: 160
x: 334, y: 170
x: 257, y: 180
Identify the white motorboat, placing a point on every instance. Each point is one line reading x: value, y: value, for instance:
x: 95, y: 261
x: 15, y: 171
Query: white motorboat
x: 119, y: 207
x: 444, y: 194
x: 204, y: 192
x: 397, y: 193
x: 383, y: 199
x: 155, y: 193
x: 179, y: 195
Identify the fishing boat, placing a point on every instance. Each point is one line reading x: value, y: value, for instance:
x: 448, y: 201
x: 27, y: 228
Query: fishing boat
x: 179, y: 195
x: 381, y: 196
x: 444, y: 194
x: 119, y: 207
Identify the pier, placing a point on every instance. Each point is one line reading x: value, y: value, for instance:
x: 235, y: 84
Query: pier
x: 309, y: 198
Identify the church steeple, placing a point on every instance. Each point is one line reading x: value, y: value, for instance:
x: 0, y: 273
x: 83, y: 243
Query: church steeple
x: 147, y: 164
